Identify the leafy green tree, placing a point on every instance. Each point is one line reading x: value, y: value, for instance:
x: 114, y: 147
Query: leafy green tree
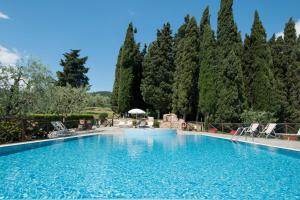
x: 130, y: 70
x: 230, y: 86
x: 67, y: 100
x: 74, y: 70
x: 187, y: 66
x: 207, y: 80
x: 22, y: 86
x: 263, y: 92
x: 158, y: 68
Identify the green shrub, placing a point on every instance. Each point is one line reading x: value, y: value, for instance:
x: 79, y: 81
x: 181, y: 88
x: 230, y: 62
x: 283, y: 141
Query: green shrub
x: 102, y: 117
x: 10, y: 131
x: 156, y: 124
x: 256, y: 116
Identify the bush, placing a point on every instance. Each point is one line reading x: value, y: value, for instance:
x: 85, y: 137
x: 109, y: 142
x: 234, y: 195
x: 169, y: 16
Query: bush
x: 156, y: 124
x: 257, y: 116
x: 102, y: 117
x: 10, y: 131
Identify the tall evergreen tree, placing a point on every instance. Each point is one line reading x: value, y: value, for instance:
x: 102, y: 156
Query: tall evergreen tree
x: 74, y: 71
x: 179, y: 36
x: 229, y: 65
x: 248, y: 71
x: 187, y: 66
x: 129, y: 73
x: 230, y: 102
x: 228, y: 36
x: 158, y: 68
x: 294, y: 81
x: 263, y: 93
x: 114, y: 96
x: 290, y: 62
x: 207, y: 80
x: 279, y: 70
x: 205, y: 20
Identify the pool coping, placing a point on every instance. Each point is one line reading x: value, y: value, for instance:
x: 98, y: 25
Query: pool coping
x: 239, y: 140
x: 7, y: 149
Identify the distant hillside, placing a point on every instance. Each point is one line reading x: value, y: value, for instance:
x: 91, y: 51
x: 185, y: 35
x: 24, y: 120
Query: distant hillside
x: 102, y: 93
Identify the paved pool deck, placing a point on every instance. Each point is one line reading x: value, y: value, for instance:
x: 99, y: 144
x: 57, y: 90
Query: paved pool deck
x: 271, y: 142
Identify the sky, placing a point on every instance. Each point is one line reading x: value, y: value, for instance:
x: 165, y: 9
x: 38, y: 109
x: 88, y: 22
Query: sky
x: 45, y: 29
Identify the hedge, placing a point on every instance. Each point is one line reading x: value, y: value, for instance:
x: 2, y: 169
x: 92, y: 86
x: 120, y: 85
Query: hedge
x: 37, y: 126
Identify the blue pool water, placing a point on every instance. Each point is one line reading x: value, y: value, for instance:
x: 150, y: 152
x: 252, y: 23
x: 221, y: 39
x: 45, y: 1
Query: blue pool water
x: 150, y: 164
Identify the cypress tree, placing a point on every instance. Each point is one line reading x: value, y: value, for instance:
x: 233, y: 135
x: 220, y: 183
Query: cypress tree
x: 129, y: 73
x: 248, y: 71
x: 158, y: 68
x: 230, y: 102
x: 228, y: 36
x: 207, y: 80
x: 279, y: 71
x: 114, y: 96
x: 229, y: 68
x: 187, y: 65
x: 205, y: 20
x: 290, y: 61
x: 263, y: 93
x: 294, y: 81
x: 74, y: 71
x: 179, y: 36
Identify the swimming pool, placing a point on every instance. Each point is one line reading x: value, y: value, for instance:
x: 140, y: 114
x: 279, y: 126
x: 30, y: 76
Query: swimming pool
x: 150, y: 164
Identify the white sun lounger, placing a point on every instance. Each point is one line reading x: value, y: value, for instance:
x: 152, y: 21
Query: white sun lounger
x: 250, y: 130
x: 59, y: 130
x: 269, y: 130
x: 246, y: 130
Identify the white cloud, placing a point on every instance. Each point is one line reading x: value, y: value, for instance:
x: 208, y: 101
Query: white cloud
x: 3, y: 16
x: 8, y: 57
x: 297, y: 26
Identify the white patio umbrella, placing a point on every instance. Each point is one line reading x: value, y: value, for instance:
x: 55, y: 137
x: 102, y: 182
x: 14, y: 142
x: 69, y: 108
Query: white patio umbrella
x: 137, y: 112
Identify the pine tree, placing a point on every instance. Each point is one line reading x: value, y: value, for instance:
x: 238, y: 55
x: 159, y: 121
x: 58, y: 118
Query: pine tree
x: 74, y: 71
x: 114, y: 96
x: 129, y: 73
x: 207, y: 80
x: 230, y: 86
x: 263, y: 93
x: 158, y: 68
x: 187, y: 66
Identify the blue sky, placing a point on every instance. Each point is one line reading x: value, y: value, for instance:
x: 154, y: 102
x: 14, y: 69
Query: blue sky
x: 47, y: 29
